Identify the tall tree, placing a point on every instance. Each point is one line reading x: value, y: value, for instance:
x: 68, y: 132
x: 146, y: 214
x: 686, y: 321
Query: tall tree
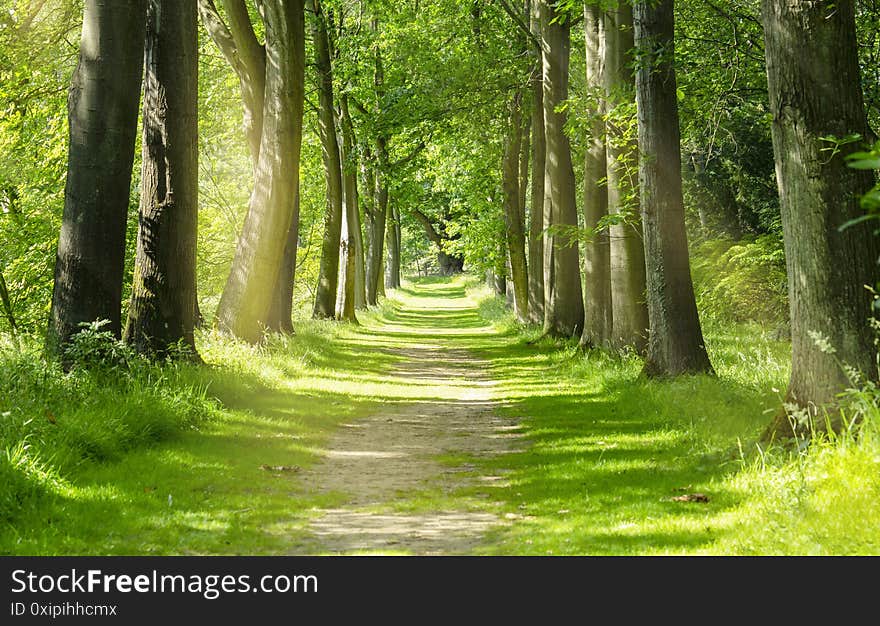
x: 162, y: 310
x: 536, y: 204
x: 102, y: 113
x: 565, y: 314
x: 513, y: 216
x: 597, y: 253
x: 350, y: 166
x: 325, y: 294
x: 377, y: 208
x: 815, y: 97
x: 239, y: 45
x: 249, y: 291
x: 675, y: 344
x: 628, y: 282
x: 392, y: 244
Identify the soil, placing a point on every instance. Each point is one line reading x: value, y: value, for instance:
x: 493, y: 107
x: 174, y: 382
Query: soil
x: 381, y: 461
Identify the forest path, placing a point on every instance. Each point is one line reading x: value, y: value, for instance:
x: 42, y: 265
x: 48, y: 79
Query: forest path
x: 398, y: 468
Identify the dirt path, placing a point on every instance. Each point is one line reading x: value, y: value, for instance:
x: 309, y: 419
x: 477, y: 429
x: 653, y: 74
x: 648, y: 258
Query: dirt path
x: 381, y: 461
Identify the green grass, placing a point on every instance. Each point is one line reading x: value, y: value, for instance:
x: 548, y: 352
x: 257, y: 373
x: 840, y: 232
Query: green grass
x: 610, y: 450
x: 167, y: 459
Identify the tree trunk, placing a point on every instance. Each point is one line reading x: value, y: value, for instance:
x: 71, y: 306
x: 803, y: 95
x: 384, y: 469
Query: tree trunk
x: 815, y: 93
x: 162, y: 310
x: 239, y: 45
x: 280, y: 316
x: 500, y: 273
x: 629, y: 309
x: 102, y: 112
x: 597, y: 253
x: 345, y: 295
x: 377, y: 228
x: 565, y: 316
x: 7, y: 304
x: 512, y: 213
x: 536, y: 209
x: 352, y: 203
x: 248, y: 295
x: 328, y: 274
x: 392, y: 278
x: 675, y: 344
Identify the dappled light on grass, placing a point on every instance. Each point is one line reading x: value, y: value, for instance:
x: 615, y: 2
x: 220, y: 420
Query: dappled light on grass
x: 543, y: 449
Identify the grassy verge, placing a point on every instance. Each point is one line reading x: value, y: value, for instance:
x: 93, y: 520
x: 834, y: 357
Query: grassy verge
x: 174, y: 459
x: 611, y: 451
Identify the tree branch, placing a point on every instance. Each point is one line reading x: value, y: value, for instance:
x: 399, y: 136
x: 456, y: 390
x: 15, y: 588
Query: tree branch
x: 432, y: 233
x: 520, y: 23
x: 412, y: 155
x: 250, y: 50
x: 221, y: 36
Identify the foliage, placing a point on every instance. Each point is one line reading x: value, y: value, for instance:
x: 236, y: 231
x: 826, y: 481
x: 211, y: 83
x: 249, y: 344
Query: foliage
x: 740, y: 281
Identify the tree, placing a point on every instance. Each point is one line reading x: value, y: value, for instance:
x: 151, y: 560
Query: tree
x: 536, y: 205
x: 818, y: 114
x: 565, y: 314
x: 629, y: 310
x: 355, y: 245
x: 597, y: 253
x: 249, y: 292
x: 102, y: 113
x: 162, y: 312
x: 392, y: 244
x: 675, y: 344
x: 513, y: 214
x: 325, y: 294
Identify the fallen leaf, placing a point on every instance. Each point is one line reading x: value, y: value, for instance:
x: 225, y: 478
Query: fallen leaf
x: 692, y: 497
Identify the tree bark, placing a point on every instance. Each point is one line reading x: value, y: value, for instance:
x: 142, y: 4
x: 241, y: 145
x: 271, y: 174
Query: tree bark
x: 628, y: 281
x: 239, y: 45
x: 392, y: 241
x: 565, y: 315
x: 162, y: 310
x: 813, y: 72
x: 675, y: 344
x: 7, y: 304
x: 597, y: 253
x: 536, y: 208
x: 375, y: 272
x: 345, y: 296
x: 248, y: 295
x: 352, y: 203
x: 328, y: 274
x: 280, y: 316
x: 513, y: 218
x: 242, y: 50
x: 102, y: 112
